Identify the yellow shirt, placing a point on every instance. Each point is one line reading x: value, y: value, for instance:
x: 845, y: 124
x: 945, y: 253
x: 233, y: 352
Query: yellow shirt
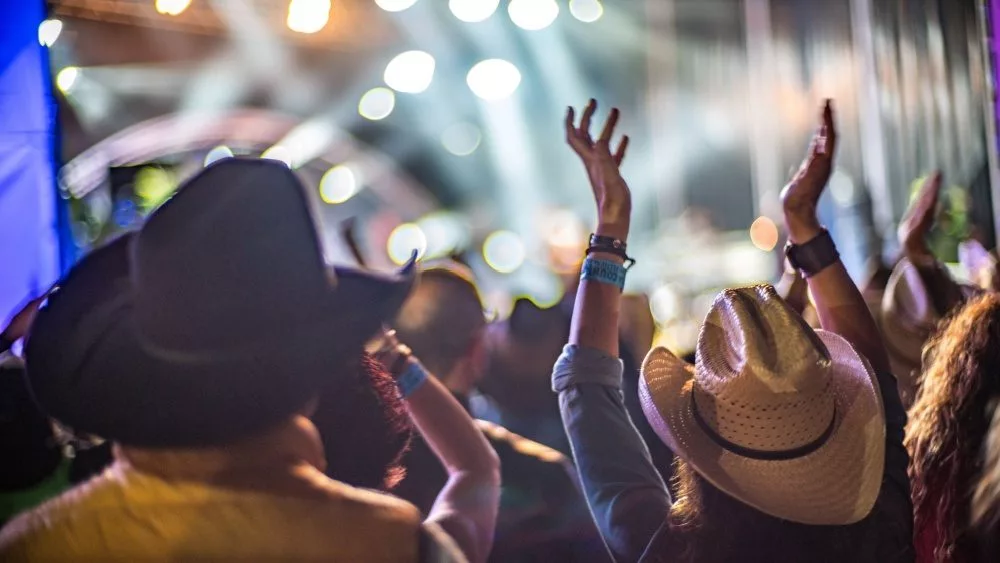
x: 163, y: 513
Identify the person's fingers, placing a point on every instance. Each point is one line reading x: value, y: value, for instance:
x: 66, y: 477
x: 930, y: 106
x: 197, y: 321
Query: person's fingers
x: 620, y: 153
x: 609, y: 128
x: 830, y: 128
x: 588, y: 114
x: 929, y: 197
x: 570, y: 121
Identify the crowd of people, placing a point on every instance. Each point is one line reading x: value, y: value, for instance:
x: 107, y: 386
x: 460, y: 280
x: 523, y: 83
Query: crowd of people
x: 208, y: 387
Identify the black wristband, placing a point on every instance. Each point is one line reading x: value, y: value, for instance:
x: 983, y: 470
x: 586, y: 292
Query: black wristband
x: 603, y: 241
x: 610, y: 245
x: 813, y: 256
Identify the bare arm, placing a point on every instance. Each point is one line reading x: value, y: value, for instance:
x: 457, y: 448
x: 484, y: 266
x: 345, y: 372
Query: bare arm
x: 598, y: 306
x: 466, y: 508
x: 838, y: 301
x: 627, y: 497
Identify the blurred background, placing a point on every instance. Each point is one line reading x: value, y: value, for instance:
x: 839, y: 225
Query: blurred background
x: 437, y: 125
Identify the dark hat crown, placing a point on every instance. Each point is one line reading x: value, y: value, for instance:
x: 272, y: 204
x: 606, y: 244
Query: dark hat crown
x: 233, y: 252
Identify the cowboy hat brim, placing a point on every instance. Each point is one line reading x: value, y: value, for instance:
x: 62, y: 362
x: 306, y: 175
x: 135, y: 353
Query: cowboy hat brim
x: 837, y: 484
x: 90, y: 368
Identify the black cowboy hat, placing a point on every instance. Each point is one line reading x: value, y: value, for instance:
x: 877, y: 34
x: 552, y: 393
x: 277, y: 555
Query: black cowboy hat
x: 218, y: 319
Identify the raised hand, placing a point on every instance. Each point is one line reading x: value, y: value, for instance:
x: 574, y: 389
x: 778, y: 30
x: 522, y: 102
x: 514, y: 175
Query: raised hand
x: 611, y: 193
x: 919, y: 219
x: 800, y: 197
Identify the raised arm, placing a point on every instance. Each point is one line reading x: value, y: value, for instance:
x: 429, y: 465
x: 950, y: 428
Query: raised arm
x: 914, y: 229
x: 466, y: 508
x: 838, y: 301
x: 626, y: 495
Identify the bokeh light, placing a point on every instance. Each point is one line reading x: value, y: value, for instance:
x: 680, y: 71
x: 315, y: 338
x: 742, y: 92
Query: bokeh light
x: 664, y: 304
x: 217, y: 154
x: 493, y: 79
x: 764, y: 234
x: 279, y: 153
x: 153, y: 186
x: 461, y: 139
x: 504, y: 251
x: 67, y: 78
x: 172, y: 7
x: 377, y: 103
x: 473, y: 11
x: 403, y: 240
x: 545, y: 289
x: 308, y: 16
x: 586, y: 11
x: 338, y: 184
x: 533, y: 15
x: 48, y: 32
x: 446, y: 233
x: 395, y: 5
x: 410, y: 72
x: 566, y: 238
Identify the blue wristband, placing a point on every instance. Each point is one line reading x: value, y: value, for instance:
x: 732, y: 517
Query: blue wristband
x: 603, y: 271
x: 411, y: 379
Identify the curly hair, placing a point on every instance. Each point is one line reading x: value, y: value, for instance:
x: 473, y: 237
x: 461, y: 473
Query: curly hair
x: 948, y: 425
x: 364, y: 426
x: 986, y: 500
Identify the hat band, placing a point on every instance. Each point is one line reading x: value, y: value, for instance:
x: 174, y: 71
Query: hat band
x: 764, y: 455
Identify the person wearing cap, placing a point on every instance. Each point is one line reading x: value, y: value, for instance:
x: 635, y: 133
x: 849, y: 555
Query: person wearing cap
x: 198, y: 345
x: 789, y: 440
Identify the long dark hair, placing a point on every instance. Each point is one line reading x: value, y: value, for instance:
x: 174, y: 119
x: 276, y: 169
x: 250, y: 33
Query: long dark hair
x: 707, y: 525
x: 949, y: 422
x: 364, y: 427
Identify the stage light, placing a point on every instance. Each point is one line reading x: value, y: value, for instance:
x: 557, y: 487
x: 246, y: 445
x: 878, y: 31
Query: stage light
x: 67, y: 78
x: 403, y: 240
x: 586, y: 11
x: 377, y: 103
x: 493, y: 79
x: 338, y: 185
x: 764, y: 234
x: 503, y: 251
x: 533, y: 15
x: 172, y: 7
x: 410, y: 72
x: 48, y: 32
x: 279, y: 153
x: 308, y: 16
x: 217, y: 154
x: 395, y: 5
x: 461, y: 139
x: 473, y: 11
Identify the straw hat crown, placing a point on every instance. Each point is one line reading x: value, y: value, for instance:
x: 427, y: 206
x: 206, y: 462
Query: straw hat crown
x: 762, y: 382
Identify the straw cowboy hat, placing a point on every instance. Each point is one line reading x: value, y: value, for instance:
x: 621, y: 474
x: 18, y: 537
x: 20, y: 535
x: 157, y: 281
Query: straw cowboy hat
x: 908, y: 319
x: 782, y: 418
x: 216, y: 320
